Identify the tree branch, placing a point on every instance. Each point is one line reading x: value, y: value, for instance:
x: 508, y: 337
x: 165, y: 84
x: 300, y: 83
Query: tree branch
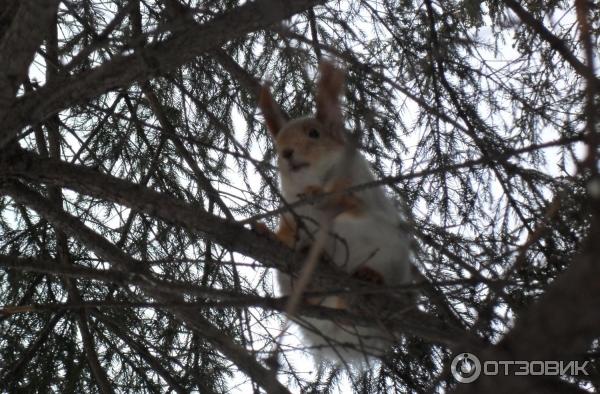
x: 18, y: 45
x: 565, y: 317
x: 555, y: 42
x: 416, y: 324
x: 147, y: 62
x: 171, y: 134
x: 106, y: 250
x: 142, y: 199
x: 10, y: 372
x: 155, y: 363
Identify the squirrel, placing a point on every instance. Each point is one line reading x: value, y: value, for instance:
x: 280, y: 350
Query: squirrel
x: 366, y: 237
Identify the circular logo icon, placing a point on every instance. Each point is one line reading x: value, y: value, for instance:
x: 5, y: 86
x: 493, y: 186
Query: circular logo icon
x: 465, y: 368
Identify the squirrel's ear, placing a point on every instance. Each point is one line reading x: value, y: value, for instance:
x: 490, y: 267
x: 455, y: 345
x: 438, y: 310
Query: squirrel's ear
x: 329, y: 89
x: 270, y: 110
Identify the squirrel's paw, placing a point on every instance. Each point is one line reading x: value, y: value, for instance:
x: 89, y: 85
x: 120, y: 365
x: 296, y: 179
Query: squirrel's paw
x: 303, y: 246
x: 310, y: 192
x: 367, y: 274
x: 261, y: 228
x: 369, y: 304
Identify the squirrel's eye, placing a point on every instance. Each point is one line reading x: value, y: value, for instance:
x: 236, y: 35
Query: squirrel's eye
x: 313, y: 133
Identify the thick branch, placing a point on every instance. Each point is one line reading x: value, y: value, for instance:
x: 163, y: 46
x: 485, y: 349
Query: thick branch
x: 17, y: 48
x: 228, y: 234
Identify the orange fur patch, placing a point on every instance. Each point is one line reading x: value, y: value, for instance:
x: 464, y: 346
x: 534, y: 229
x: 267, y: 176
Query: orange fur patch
x: 368, y: 274
x: 346, y: 203
x: 270, y: 110
x: 286, y: 231
x: 312, y: 191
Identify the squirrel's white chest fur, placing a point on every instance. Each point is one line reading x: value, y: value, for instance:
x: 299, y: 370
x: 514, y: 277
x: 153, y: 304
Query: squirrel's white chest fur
x: 373, y: 239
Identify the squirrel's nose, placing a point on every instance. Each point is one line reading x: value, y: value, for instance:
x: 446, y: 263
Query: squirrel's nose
x: 287, y: 153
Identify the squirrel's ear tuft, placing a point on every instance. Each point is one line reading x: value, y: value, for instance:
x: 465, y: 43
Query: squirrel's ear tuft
x: 270, y: 110
x: 329, y: 89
